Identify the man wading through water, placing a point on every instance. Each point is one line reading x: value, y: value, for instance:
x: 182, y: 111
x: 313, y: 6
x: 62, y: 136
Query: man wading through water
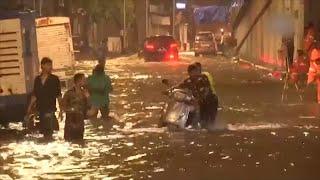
x: 46, y: 90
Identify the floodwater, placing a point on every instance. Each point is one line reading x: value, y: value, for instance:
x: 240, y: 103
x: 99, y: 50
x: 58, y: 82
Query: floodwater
x: 255, y: 135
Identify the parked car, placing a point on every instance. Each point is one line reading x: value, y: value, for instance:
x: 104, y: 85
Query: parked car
x: 205, y: 43
x: 160, y: 48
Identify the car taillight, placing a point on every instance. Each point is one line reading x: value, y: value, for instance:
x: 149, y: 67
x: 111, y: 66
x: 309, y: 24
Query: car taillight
x: 150, y: 47
x: 173, y: 45
x: 171, y: 56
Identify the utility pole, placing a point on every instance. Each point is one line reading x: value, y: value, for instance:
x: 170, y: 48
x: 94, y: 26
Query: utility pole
x: 124, y: 25
x: 34, y: 5
x: 147, y: 18
x: 40, y: 8
x: 173, y: 17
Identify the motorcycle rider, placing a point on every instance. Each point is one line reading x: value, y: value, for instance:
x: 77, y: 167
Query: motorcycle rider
x: 208, y: 75
x: 212, y: 100
x: 199, y: 85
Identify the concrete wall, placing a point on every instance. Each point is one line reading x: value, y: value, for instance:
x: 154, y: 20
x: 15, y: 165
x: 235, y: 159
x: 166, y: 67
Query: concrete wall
x: 264, y: 41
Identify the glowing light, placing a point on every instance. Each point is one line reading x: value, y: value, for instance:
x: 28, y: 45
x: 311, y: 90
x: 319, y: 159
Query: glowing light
x: 150, y: 47
x: 173, y: 45
x: 181, y: 5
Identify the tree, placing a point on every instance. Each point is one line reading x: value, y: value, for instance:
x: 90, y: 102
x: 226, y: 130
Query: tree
x: 111, y: 9
x: 10, y: 5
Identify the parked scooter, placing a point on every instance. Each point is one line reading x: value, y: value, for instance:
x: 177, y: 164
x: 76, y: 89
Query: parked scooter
x: 180, y: 110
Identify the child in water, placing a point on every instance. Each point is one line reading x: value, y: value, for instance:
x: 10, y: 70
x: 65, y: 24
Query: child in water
x: 75, y: 105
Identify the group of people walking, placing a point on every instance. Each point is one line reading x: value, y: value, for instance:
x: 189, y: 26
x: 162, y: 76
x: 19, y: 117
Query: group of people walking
x: 85, y: 99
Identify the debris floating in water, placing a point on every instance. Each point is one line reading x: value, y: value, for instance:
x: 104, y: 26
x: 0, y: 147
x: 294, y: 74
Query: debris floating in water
x: 135, y: 157
x: 306, y: 134
x: 153, y: 107
x: 129, y: 144
x: 158, y: 170
x: 225, y: 157
x: 254, y: 126
x: 292, y: 164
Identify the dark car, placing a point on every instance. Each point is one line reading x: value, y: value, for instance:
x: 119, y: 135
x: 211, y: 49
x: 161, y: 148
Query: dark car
x: 205, y: 43
x: 160, y: 48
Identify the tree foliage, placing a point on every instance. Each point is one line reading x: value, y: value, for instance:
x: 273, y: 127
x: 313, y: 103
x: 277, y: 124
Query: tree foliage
x: 109, y: 9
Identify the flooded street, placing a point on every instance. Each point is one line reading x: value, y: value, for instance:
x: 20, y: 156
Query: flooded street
x: 255, y: 135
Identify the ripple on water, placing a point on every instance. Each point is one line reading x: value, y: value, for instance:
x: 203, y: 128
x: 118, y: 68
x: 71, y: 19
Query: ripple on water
x: 254, y: 126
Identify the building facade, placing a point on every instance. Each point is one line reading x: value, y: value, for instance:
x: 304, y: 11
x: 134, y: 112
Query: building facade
x: 266, y: 22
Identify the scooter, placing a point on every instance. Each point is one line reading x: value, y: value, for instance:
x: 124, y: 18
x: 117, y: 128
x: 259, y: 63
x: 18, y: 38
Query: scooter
x: 180, y: 110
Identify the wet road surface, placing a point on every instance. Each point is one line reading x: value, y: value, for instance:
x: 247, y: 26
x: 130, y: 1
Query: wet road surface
x: 255, y: 135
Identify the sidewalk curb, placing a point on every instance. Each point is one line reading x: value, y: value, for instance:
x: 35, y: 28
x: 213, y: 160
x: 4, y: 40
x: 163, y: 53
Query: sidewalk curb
x: 256, y: 65
x: 269, y: 70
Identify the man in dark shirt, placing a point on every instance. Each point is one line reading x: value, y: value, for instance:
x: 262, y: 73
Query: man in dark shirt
x: 197, y: 83
x: 200, y: 88
x: 46, y: 90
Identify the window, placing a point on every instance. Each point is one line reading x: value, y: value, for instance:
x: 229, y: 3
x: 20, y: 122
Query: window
x: 61, y: 3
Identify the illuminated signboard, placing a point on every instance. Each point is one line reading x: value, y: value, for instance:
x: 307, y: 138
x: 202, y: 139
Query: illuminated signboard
x: 181, y: 5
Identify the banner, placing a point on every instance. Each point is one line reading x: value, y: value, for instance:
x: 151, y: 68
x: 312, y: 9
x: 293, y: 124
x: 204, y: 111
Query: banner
x: 211, y: 14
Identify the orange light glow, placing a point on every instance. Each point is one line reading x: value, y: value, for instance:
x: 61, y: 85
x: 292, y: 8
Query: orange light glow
x: 173, y: 45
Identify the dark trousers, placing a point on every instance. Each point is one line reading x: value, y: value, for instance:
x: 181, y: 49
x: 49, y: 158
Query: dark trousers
x: 74, y: 126
x: 104, y: 111
x: 208, y: 110
x: 48, y: 123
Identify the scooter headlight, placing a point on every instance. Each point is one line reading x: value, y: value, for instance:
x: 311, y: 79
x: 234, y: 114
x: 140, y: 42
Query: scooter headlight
x: 178, y: 96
